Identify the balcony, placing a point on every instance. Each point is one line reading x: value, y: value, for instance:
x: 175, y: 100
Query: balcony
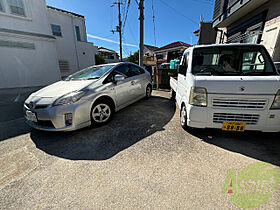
x: 227, y: 12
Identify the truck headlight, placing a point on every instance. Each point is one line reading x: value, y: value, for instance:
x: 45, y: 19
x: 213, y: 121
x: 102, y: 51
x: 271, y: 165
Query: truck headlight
x: 198, y: 96
x: 276, y: 102
x: 70, y: 98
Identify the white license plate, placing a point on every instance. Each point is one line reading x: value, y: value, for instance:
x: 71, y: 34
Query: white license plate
x: 31, y: 116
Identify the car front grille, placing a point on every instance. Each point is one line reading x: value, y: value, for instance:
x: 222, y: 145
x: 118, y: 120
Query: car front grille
x: 249, y: 119
x: 240, y: 103
x: 45, y: 123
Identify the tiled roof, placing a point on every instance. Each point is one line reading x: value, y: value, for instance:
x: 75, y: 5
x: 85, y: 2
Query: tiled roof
x: 174, y: 45
x: 152, y: 48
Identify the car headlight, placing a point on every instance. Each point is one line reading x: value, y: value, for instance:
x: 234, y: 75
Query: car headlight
x: 276, y: 102
x: 198, y: 96
x: 70, y: 98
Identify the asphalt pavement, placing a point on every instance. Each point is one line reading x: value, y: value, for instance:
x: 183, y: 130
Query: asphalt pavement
x: 141, y: 159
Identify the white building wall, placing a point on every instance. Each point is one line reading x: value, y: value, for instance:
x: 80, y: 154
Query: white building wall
x: 20, y: 67
x: 28, y: 67
x: 79, y: 54
x: 36, y: 19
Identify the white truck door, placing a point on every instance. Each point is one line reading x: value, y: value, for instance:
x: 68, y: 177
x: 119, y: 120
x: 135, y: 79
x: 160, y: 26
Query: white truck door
x: 182, y: 80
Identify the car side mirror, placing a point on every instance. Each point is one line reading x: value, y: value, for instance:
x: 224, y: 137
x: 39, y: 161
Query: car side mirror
x: 182, y: 69
x: 118, y: 78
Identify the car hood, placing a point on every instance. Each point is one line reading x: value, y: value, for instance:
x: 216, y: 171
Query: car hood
x: 239, y: 84
x: 61, y: 88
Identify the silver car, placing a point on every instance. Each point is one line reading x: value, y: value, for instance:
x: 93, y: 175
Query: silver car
x: 90, y: 96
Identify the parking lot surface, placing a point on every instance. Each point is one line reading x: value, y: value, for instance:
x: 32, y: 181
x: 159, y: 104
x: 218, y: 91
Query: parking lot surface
x: 141, y: 159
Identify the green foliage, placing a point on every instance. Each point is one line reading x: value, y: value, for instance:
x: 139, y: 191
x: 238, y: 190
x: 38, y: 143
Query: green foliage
x: 134, y: 58
x: 99, y: 59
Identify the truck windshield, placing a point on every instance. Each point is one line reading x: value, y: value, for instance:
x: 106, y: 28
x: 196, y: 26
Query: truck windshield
x: 232, y: 60
x: 93, y: 72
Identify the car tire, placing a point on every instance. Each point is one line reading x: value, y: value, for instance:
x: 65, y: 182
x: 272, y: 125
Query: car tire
x: 183, y: 117
x: 101, y: 112
x: 148, y: 92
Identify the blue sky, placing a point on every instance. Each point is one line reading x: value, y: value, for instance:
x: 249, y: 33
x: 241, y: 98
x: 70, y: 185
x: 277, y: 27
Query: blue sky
x: 175, y: 20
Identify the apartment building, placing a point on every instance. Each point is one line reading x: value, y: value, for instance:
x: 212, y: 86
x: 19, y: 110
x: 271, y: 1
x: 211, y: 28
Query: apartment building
x: 249, y: 21
x: 37, y: 46
x: 73, y: 49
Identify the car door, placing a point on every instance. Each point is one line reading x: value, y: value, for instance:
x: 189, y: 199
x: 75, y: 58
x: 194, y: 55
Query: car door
x: 139, y: 80
x: 124, y: 90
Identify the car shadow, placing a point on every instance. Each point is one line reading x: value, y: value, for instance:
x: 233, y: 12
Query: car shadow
x: 128, y: 127
x: 261, y: 146
x: 13, y: 128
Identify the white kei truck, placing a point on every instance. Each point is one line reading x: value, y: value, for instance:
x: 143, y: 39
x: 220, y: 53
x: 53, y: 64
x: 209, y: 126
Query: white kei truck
x: 233, y: 87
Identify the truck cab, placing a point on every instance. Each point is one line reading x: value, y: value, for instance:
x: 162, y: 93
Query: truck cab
x: 233, y: 87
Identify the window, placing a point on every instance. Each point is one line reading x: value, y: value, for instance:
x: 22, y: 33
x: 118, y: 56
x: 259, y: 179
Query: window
x: 90, y: 73
x: 78, y: 34
x: 136, y: 70
x: 253, y: 61
x: 232, y: 61
x: 56, y: 30
x: 1, y: 6
x: 122, y: 70
x: 16, y: 7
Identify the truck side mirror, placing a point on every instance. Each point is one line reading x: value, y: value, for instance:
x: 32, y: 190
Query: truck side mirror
x: 182, y: 69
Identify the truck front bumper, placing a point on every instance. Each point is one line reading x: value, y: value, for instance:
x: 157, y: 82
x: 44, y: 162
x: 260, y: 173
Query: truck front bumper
x: 259, y: 120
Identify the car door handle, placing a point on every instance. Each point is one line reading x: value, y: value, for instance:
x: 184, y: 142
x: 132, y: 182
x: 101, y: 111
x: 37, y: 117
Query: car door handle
x: 132, y: 82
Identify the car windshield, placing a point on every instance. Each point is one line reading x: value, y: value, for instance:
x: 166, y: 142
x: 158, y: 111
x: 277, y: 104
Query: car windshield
x: 93, y: 72
x: 232, y: 60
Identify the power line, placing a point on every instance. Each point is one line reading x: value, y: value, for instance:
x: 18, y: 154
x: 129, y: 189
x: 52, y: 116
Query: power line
x: 154, y: 22
x: 178, y: 12
x: 127, y: 9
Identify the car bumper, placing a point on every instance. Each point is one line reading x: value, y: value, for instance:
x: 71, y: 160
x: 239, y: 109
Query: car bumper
x: 203, y: 117
x: 52, y: 118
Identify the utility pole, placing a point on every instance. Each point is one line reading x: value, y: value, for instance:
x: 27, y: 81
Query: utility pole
x: 119, y: 27
x: 141, y: 32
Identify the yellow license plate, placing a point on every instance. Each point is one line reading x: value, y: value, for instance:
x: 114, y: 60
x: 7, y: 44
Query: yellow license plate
x: 234, y: 126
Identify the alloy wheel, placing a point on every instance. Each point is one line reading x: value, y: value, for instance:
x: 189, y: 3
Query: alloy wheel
x: 101, y: 113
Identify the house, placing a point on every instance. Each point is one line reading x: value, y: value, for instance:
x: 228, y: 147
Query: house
x: 149, y: 55
x: 171, y: 51
x: 111, y: 56
x: 73, y: 49
x: 249, y: 21
x: 206, y: 33
x: 27, y: 46
x: 36, y: 46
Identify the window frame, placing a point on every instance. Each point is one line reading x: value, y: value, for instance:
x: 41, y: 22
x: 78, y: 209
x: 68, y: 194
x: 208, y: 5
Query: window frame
x: 2, y: 6
x: 53, y: 32
x: 78, y: 33
x: 22, y: 2
x: 141, y: 71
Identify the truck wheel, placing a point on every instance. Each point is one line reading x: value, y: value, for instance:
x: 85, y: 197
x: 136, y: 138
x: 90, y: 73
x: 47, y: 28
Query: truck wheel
x: 183, y: 117
x: 148, y: 92
x: 172, y: 95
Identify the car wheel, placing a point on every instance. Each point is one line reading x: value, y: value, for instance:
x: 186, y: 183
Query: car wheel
x: 148, y: 91
x: 101, y: 113
x: 172, y: 95
x: 183, y: 117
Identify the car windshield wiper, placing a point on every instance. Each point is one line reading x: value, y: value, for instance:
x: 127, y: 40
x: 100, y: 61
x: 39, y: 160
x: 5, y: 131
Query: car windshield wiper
x: 93, y: 78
